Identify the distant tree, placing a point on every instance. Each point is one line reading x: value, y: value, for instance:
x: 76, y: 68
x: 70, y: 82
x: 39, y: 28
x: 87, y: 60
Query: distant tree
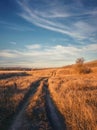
x: 80, y: 61
x: 80, y: 66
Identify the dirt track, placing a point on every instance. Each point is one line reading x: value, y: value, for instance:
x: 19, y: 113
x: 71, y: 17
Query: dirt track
x: 45, y: 115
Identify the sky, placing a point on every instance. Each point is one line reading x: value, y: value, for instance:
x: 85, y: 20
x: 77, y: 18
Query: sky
x: 47, y: 33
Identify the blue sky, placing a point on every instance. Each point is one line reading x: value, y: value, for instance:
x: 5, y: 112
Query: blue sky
x: 47, y: 33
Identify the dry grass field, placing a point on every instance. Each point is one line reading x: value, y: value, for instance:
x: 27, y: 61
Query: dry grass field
x: 12, y: 92
x: 74, y: 95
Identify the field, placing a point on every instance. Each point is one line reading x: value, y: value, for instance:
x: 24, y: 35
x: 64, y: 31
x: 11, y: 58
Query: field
x: 49, y: 99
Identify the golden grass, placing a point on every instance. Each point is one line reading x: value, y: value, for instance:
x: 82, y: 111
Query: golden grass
x: 76, y: 97
x: 42, y: 72
x: 12, y: 92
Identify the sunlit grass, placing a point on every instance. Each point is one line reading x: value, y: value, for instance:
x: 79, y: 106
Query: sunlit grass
x: 74, y: 94
x: 76, y: 97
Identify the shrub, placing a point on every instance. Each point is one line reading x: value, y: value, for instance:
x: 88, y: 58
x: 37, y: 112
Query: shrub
x: 80, y: 67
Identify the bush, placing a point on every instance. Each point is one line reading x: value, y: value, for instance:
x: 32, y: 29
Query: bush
x: 81, y: 68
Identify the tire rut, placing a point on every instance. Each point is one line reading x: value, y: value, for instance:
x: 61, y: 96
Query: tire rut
x: 19, y: 118
x: 43, y: 115
x: 55, y: 118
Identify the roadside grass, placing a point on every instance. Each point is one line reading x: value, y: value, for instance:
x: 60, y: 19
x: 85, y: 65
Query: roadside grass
x: 75, y: 96
x: 12, y: 92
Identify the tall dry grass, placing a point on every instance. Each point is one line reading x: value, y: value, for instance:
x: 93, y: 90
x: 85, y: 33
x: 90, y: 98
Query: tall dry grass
x: 12, y: 92
x: 76, y: 98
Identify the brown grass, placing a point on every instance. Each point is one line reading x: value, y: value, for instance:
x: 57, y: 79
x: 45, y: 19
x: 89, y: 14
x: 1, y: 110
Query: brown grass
x: 76, y: 97
x: 12, y: 91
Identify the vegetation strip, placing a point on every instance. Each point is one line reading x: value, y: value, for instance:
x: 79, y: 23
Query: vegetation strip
x: 11, y: 75
x: 36, y: 111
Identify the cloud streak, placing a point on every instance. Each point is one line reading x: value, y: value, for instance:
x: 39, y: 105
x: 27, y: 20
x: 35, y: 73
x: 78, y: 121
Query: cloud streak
x: 46, y: 56
x: 33, y: 46
x: 8, y: 54
x: 13, y: 43
x: 52, y: 14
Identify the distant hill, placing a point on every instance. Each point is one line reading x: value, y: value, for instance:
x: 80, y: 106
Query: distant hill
x: 92, y: 63
x: 15, y: 68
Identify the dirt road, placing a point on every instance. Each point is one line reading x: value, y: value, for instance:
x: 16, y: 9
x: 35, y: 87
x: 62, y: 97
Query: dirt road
x: 44, y: 115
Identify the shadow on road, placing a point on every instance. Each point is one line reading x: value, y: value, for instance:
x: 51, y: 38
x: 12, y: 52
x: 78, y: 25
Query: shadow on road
x: 55, y: 117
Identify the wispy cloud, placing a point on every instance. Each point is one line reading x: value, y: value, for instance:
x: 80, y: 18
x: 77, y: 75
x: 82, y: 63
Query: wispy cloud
x: 64, y: 19
x: 13, y: 43
x: 8, y: 54
x: 91, y: 47
x: 33, y: 46
x: 46, y: 56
